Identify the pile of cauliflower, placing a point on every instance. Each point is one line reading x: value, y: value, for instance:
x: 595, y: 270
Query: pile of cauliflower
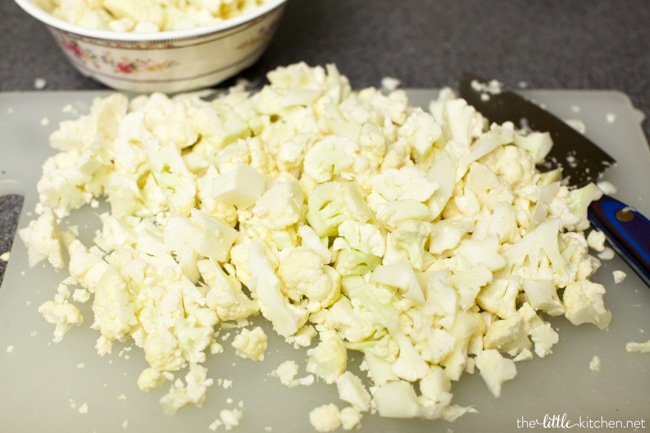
x: 147, y: 16
x: 349, y: 220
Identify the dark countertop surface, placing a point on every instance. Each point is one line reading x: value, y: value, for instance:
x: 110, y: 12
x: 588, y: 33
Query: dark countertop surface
x: 544, y: 44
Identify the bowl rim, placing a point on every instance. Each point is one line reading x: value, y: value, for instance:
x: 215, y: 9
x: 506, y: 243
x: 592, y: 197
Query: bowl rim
x: 45, y: 17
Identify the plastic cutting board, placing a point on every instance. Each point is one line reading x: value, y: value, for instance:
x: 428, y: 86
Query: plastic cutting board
x: 66, y: 387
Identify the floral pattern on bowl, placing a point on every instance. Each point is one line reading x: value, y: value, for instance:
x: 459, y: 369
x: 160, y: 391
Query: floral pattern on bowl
x: 123, y: 65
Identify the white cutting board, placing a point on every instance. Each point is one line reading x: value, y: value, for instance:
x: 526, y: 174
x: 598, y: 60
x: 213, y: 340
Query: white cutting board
x: 43, y: 385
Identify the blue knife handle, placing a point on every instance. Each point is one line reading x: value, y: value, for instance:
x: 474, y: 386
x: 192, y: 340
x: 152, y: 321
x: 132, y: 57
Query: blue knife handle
x: 627, y: 230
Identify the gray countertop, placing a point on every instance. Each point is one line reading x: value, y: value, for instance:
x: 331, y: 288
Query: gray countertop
x: 549, y: 44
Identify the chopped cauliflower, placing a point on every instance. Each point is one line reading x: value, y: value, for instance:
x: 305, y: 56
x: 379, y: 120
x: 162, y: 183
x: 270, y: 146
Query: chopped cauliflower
x: 425, y: 241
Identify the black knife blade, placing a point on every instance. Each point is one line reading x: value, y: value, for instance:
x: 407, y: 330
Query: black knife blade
x: 582, y: 161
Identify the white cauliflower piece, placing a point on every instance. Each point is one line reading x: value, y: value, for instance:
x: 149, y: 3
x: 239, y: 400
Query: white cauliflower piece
x: 633, y: 346
x: 343, y: 318
x: 280, y: 206
x: 332, y: 203
x: 325, y: 418
x: 285, y: 317
x: 42, y: 239
x: 495, y: 369
x: 241, y: 187
x: 307, y: 276
x: 359, y: 247
x: 421, y: 131
x: 287, y: 372
x: 114, y: 307
x: 507, y: 335
x: 396, y: 400
x: 62, y: 314
x: 251, y: 344
x: 329, y: 358
x: 331, y: 158
x: 225, y: 295
x: 543, y: 296
x: 351, y: 390
x: 583, y: 302
x: 202, y: 233
x: 537, y: 255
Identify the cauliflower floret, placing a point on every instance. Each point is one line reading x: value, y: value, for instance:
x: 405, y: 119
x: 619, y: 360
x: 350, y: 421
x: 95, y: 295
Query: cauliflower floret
x: 342, y: 318
x: 305, y: 275
x: 251, y: 344
x: 537, y: 255
x: 332, y: 203
x: 114, y: 307
x: 537, y: 144
x: 280, y: 206
x: 62, y: 314
x: 512, y: 164
x: 421, y: 131
x: 225, y: 295
x: 330, y: 159
x: 358, y: 249
x: 285, y: 317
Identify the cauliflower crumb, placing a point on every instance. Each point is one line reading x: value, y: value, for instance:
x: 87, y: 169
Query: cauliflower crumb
x: 229, y: 418
x: 607, y: 187
x: 633, y: 346
x: 619, y: 276
x: 83, y: 409
x: 40, y: 83
x: 390, y: 83
x: 595, y: 364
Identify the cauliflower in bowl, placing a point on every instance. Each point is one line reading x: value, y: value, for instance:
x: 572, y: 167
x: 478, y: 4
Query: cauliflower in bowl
x: 147, y: 16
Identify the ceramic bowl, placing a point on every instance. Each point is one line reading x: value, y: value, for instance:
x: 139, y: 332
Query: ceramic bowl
x: 166, y: 61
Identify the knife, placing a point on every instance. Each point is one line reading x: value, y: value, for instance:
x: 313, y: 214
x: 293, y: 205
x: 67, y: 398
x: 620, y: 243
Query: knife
x: 581, y: 160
